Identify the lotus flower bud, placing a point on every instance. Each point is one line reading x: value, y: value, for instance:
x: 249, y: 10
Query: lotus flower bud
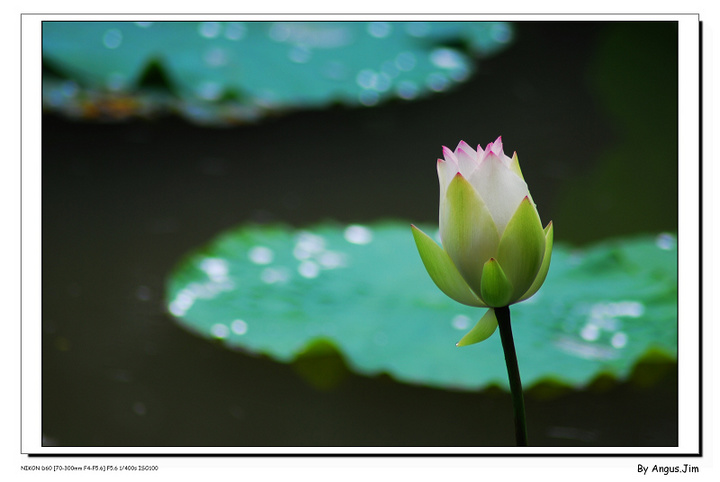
x: 494, y: 251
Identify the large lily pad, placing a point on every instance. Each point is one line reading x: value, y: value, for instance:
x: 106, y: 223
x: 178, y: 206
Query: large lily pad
x: 238, y: 71
x: 363, y: 289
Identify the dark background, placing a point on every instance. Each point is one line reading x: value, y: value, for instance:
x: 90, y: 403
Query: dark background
x: 591, y: 109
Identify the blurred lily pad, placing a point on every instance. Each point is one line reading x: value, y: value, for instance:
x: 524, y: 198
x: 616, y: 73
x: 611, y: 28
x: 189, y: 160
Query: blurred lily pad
x: 363, y: 290
x: 239, y: 71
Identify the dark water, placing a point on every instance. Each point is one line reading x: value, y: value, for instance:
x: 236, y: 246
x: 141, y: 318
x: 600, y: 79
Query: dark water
x: 592, y: 111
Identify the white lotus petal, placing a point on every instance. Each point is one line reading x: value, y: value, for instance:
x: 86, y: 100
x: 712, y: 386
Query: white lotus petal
x: 449, y: 155
x: 467, y: 159
x: 497, y: 147
x: 500, y: 188
x: 446, y: 173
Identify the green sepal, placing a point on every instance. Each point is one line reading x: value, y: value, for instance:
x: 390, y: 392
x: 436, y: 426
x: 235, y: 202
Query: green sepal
x: 496, y: 289
x: 469, y: 234
x: 542, y: 274
x: 481, y: 331
x: 515, y: 166
x: 442, y: 270
x: 521, y: 248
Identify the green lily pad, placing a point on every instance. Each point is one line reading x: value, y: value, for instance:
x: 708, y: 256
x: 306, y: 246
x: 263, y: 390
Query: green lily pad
x: 239, y: 71
x: 363, y: 290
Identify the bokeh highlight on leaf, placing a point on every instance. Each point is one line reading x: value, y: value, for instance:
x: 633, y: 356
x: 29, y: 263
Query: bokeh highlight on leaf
x: 278, y: 291
x: 223, y: 72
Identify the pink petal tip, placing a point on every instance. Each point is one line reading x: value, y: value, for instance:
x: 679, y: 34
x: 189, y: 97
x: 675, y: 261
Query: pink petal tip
x: 497, y: 146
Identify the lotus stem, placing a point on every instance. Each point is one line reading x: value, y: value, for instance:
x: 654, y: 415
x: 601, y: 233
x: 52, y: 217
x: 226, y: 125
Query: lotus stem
x: 503, y: 318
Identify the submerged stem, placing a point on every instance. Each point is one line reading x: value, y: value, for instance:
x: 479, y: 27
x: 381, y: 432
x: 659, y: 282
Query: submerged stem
x: 503, y: 318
